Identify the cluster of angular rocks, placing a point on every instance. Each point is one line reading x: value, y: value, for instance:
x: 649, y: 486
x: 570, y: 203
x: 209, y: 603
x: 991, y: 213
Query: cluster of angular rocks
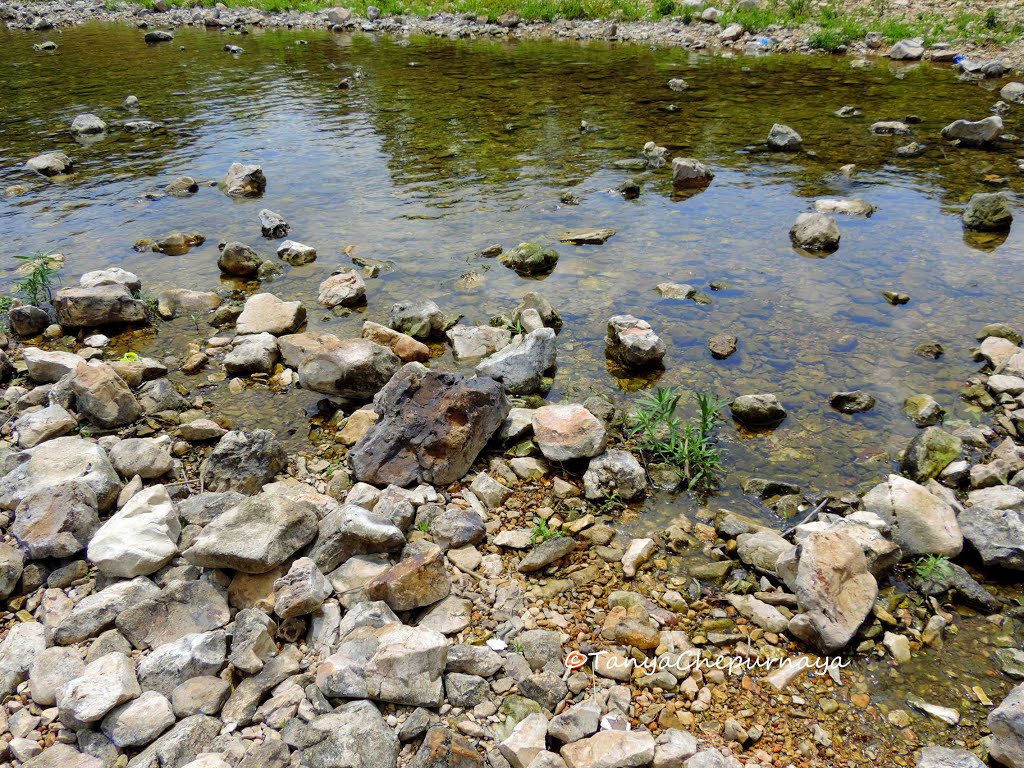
x: 256, y: 622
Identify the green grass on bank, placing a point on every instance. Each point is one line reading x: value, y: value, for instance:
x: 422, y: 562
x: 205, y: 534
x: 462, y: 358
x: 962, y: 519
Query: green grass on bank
x: 829, y: 26
x: 832, y: 28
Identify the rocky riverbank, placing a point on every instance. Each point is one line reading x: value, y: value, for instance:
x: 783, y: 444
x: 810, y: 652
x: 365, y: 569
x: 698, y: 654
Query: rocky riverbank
x: 700, y: 25
x: 446, y: 580
x: 449, y: 577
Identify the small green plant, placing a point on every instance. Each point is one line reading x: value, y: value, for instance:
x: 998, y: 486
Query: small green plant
x: 664, y: 7
x: 6, y: 302
x: 515, y: 328
x: 129, y: 357
x: 662, y: 436
x: 613, y: 503
x: 40, y: 272
x: 424, y: 526
x: 831, y: 40
x: 933, y: 568
x: 152, y: 306
x: 541, y: 531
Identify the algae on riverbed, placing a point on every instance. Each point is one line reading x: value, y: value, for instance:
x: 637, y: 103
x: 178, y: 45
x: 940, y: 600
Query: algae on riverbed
x: 387, y: 170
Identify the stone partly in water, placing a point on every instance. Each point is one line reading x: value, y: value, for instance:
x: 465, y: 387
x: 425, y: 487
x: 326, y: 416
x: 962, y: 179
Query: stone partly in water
x: 244, y: 181
x: 343, y: 289
x: 296, y: 254
x: 929, y: 453
x: 597, y: 236
x: 722, y: 345
x: 406, y: 347
x: 988, y: 212
x: 924, y: 410
x: 472, y: 342
x: 1007, y: 725
x: 87, y: 123
x: 101, y: 305
x: 688, y: 173
x: 762, y: 410
x: 239, y: 260
x: 521, y: 365
x: 632, y: 342
x: 178, y: 243
x: 419, y: 319
x: 264, y: 312
x: 907, y: 50
x: 856, y: 401
x: 851, y: 207
x: 974, y: 134
x: 782, y: 138
x: 273, y: 225
x: 815, y: 232
x: 432, y: 427
x: 530, y: 259
x: 889, y: 128
x: 173, y: 302
x: 355, y: 368
x: 50, y: 164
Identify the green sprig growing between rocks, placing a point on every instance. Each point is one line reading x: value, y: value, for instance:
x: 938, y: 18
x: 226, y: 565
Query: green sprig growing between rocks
x: 662, y: 436
x: 541, y: 532
x: 41, y: 273
x: 932, y: 568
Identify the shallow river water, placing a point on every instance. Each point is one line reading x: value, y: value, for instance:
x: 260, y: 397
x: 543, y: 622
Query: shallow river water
x: 442, y: 148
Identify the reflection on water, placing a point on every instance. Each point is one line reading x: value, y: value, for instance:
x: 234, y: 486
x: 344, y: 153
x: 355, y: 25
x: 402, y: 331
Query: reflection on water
x: 442, y: 148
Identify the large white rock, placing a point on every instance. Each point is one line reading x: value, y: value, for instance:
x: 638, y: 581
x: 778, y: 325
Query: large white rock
x: 138, y: 722
x: 140, y: 538
x: 103, y: 684
x: 1007, y: 725
x: 395, y: 663
x: 835, y: 592
x: 611, y: 749
x: 17, y: 653
x: 921, y: 523
x: 264, y: 312
x: 344, y: 289
x: 47, y: 367
x: 55, y: 463
x: 526, y: 741
x: 520, y: 366
x: 567, y: 432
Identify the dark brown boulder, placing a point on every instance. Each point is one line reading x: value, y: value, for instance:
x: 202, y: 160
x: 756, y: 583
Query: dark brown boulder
x: 432, y: 428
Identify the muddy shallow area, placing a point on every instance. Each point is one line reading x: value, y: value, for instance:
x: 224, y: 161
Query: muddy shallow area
x: 439, y: 149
